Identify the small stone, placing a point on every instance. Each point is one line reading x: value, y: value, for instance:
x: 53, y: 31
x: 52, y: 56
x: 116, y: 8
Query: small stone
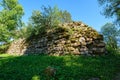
x: 76, y: 44
x: 76, y: 52
x: 81, y: 39
x: 100, y: 45
x: 71, y: 49
x: 50, y: 71
x: 63, y: 42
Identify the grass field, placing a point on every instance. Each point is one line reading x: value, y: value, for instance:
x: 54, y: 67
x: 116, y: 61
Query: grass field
x: 67, y: 67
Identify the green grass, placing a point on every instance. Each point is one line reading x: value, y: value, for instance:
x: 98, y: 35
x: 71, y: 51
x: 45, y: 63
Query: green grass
x: 68, y: 67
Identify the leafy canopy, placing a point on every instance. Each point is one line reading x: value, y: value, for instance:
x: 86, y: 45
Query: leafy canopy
x: 48, y: 18
x: 10, y: 19
x: 111, y: 9
x: 111, y: 35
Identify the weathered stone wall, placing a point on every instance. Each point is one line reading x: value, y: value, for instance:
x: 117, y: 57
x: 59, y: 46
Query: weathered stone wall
x: 70, y: 38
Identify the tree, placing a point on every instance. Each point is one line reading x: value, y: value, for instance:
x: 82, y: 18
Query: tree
x: 65, y: 16
x: 10, y: 18
x: 111, y: 35
x: 48, y: 18
x: 25, y: 31
x: 111, y: 8
x: 4, y: 34
x: 36, y: 20
x: 54, y: 15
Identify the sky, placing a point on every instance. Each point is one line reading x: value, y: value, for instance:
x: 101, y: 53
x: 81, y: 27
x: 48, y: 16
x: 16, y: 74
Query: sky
x: 87, y: 11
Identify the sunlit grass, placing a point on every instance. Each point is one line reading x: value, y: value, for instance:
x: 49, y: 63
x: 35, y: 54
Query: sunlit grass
x: 67, y: 67
x: 4, y: 55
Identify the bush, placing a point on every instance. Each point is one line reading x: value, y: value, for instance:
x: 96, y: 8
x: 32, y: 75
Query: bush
x: 4, y: 47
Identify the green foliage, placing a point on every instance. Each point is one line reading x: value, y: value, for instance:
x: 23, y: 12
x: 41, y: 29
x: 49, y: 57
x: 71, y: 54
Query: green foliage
x: 111, y: 35
x: 48, y: 18
x: 10, y: 18
x: 4, y: 34
x: 38, y: 22
x: 51, y: 16
x: 3, y: 48
x: 25, y: 31
x: 110, y: 49
x: 111, y: 8
x: 67, y: 67
x: 65, y: 16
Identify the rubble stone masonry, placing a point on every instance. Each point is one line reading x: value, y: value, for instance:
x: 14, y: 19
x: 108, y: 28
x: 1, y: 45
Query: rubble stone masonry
x: 69, y: 38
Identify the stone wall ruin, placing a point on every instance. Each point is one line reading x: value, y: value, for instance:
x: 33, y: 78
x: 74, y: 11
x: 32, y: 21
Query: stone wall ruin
x: 69, y: 38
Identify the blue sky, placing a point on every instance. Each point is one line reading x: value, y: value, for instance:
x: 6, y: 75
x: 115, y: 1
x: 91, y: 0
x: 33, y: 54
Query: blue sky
x: 87, y: 11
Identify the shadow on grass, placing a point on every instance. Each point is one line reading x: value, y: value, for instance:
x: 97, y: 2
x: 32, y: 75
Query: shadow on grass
x: 68, y: 67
